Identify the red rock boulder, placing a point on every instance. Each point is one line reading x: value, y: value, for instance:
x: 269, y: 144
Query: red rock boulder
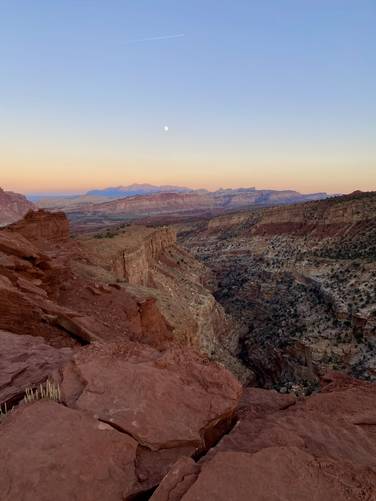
x: 49, y: 451
x: 163, y: 399
x: 273, y: 474
x: 320, y: 448
x: 172, y: 403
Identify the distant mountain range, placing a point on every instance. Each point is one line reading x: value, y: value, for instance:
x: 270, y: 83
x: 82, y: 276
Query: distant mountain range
x: 141, y: 196
x: 136, y: 189
x: 91, y: 213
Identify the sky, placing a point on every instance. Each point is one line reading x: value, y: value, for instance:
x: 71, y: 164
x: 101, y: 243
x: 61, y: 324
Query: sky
x: 266, y: 93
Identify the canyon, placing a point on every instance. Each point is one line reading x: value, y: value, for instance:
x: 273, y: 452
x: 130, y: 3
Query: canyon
x: 301, y: 279
x: 217, y: 357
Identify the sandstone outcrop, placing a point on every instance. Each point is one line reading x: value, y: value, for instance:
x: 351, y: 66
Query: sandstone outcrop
x: 130, y: 412
x: 130, y: 256
x: 271, y: 474
x: 138, y: 384
x: 147, y: 262
x: 42, y: 227
x: 321, y: 447
x: 26, y: 277
x: 41, y: 295
x: 51, y: 452
x: 172, y: 403
x: 13, y: 206
x: 331, y: 424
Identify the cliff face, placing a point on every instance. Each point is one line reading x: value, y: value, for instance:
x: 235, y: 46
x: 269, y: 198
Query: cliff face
x: 13, y: 207
x: 130, y: 255
x: 322, y: 219
x: 42, y: 295
x: 135, y: 264
x: 147, y: 262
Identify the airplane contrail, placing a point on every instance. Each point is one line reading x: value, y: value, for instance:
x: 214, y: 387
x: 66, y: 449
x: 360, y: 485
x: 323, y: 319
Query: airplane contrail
x: 151, y: 39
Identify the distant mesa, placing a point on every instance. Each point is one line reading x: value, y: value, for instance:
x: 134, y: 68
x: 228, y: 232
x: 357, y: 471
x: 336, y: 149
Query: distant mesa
x: 194, y: 202
x: 140, y: 200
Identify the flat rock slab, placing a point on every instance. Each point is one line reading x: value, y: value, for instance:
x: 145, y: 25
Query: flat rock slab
x: 26, y: 361
x: 319, y: 448
x: 163, y: 399
x: 273, y: 474
x: 336, y: 424
x: 50, y: 452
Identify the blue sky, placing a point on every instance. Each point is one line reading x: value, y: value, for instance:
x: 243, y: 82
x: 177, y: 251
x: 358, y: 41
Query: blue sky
x: 267, y: 93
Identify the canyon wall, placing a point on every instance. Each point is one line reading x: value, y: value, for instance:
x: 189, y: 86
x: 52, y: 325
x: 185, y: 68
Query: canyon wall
x: 147, y: 262
x: 301, y: 280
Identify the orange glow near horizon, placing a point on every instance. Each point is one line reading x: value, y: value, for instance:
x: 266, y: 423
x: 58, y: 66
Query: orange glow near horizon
x: 64, y: 164
x: 77, y: 176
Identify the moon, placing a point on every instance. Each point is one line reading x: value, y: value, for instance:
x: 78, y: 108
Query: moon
x: 165, y: 128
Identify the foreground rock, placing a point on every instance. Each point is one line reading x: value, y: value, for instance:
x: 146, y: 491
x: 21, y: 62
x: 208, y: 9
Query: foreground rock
x: 173, y: 403
x: 272, y: 474
x: 337, y: 423
x: 163, y: 399
x: 26, y: 361
x: 51, y: 452
x: 42, y: 294
x: 130, y: 413
x: 320, y: 448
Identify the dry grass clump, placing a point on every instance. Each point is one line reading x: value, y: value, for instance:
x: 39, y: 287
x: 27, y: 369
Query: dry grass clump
x: 4, y: 410
x: 47, y: 391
